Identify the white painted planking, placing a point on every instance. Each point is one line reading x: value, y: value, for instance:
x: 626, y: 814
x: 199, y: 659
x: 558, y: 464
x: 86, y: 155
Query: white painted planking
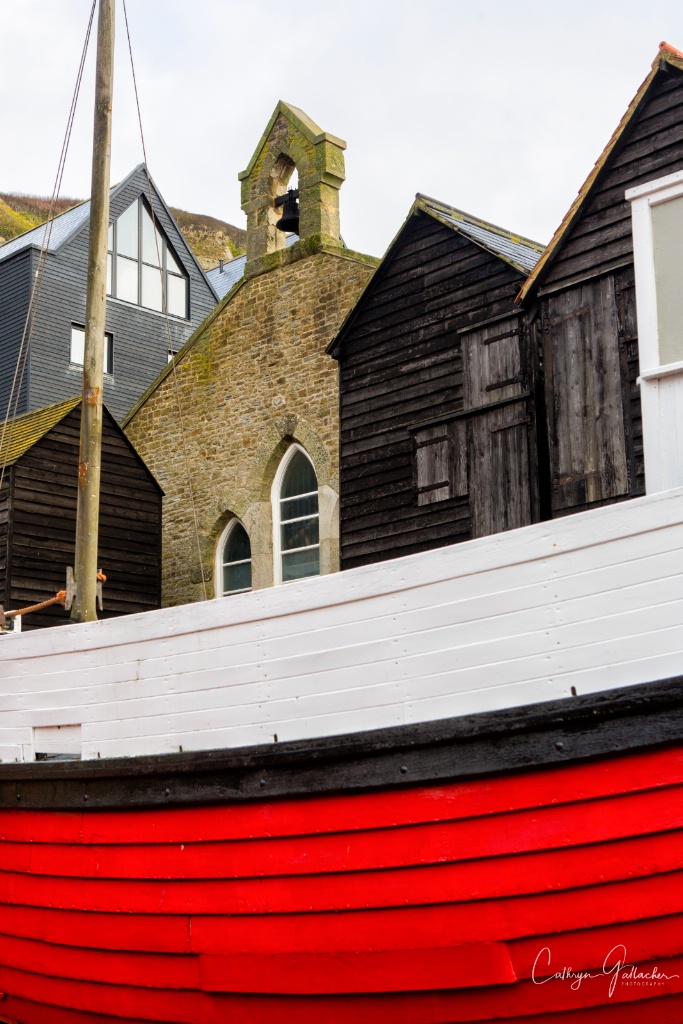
x: 592, y: 601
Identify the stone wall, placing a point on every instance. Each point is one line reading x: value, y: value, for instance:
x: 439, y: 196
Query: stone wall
x: 215, y: 426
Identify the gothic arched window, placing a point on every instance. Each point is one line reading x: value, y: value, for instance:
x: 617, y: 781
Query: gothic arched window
x: 233, y: 565
x: 296, y: 519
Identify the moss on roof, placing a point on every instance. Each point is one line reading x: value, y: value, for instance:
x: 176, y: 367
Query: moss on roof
x: 23, y: 432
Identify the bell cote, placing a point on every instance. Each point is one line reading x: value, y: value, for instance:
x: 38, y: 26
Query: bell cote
x: 291, y: 141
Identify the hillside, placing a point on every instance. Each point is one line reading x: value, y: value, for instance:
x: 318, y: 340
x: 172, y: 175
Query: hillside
x: 210, y: 239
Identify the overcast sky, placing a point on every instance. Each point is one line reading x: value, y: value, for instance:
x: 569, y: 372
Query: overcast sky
x: 495, y: 107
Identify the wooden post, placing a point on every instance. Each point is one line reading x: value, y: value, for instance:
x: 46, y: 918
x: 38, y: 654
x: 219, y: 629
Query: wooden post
x: 84, y: 609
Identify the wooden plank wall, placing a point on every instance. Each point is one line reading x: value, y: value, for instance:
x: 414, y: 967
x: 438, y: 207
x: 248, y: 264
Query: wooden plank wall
x: 653, y: 148
x: 597, y: 413
x: 401, y: 364
x: 43, y: 518
x: 585, y: 603
x: 449, y: 903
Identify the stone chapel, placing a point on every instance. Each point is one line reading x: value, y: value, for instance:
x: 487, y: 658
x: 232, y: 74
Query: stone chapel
x: 241, y: 429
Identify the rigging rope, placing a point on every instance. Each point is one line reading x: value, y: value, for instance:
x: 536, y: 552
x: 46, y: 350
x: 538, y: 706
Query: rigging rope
x: 24, y: 347
x: 168, y: 325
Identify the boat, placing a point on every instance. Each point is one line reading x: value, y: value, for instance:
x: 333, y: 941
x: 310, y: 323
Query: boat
x: 443, y: 787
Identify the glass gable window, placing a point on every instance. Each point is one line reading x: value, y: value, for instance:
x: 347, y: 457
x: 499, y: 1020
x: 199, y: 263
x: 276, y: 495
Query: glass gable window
x: 235, y: 561
x: 78, y: 349
x: 141, y: 266
x: 298, y: 519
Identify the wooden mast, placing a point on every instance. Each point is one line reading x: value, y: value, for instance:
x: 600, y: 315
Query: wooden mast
x: 85, y: 570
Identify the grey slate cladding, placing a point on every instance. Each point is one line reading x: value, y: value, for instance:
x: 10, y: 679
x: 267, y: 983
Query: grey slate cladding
x: 141, y: 337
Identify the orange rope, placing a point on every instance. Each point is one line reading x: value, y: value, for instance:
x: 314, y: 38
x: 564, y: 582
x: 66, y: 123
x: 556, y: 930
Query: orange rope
x: 59, y: 598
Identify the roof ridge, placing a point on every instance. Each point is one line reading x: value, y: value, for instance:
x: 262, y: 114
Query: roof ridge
x: 469, y: 218
x: 670, y: 49
x: 567, y: 222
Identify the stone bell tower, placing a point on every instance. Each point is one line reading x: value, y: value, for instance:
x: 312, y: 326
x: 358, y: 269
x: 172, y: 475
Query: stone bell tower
x: 292, y: 141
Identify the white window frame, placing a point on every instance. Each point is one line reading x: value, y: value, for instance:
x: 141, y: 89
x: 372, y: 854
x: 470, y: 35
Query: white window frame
x: 108, y: 354
x: 275, y: 505
x: 166, y: 273
x: 661, y: 384
x: 220, y: 562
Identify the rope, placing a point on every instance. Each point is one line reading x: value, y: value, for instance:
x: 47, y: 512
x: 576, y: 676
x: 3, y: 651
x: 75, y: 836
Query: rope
x: 188, y: 469
x: 59, y: 598
x: 24, y: 347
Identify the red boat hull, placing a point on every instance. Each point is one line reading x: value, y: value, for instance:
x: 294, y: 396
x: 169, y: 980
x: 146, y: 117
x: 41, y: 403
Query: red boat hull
x: 439, y: 902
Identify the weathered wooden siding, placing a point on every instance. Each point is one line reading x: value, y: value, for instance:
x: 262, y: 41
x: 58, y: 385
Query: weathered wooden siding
x: 401, y: 365
x: 589, y: 318
x: 15, y: 286
x: 652, y: 148
x: 588, y: 602
x: 43, y: 524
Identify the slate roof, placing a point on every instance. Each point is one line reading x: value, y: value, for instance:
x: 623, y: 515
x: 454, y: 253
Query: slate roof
x: 521, y: 252
x: 24, y: 431
x: 233, y: 271
x: 223, y: 280
x: 63, y: 227
x: 67, y: 225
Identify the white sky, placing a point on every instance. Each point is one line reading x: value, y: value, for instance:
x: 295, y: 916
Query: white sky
x: 498, y: 108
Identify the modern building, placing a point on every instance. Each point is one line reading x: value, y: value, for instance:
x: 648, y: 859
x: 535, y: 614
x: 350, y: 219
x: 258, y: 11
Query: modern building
x: 157, y: 295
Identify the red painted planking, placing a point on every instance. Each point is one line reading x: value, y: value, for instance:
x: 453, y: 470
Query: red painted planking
x: 642, y: 941
x: 514, y: 879
x: 553, y: 826
x: 310, y: 815
x: 535, y: 872
x: 403, y: 970
x: 115, y: 967
x: 494, y: 1003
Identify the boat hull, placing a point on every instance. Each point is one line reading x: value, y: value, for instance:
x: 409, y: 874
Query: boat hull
x: 402, y: 890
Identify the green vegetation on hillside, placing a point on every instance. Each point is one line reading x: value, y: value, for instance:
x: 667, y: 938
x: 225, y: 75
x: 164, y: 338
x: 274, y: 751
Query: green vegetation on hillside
x: 210, y: 239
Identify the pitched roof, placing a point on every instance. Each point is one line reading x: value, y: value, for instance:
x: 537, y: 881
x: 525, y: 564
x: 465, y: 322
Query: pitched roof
x: 306, y: 125
x: 24, y: 431
x: 222, y: 280
x: 63, y: 227
x: 520, y: 252
x: 667, y: 54
x: 56, y: 232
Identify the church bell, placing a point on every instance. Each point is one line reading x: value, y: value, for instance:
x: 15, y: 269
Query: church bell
x: 289, y: 221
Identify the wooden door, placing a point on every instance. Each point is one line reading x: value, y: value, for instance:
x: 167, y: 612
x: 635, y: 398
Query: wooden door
x: 498, y: 428
x: 585, y: 406
x: 499, y: 470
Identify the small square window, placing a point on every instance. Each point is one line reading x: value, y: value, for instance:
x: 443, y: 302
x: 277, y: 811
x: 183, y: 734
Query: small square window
x: 78, y: 349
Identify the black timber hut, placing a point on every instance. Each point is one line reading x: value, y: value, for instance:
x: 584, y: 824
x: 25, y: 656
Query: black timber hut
x: 581, y: 306
x: 157, y: 294
x: 39, y: 453
x: 437, y: 406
